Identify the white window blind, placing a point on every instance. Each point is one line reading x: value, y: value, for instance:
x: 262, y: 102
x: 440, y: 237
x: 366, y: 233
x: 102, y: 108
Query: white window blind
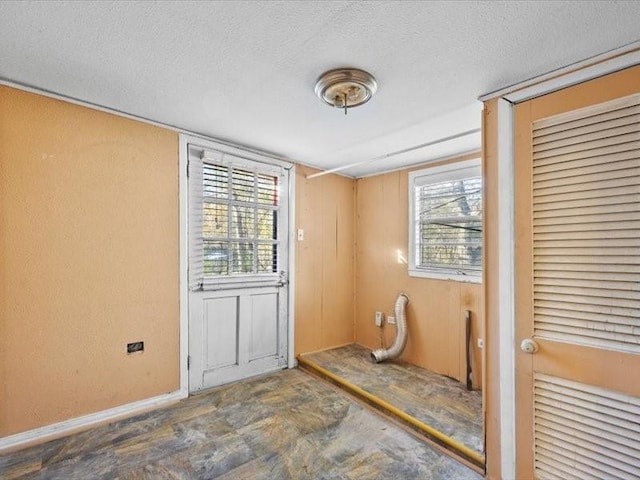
x: 445, y: 224
x: 234, y: 218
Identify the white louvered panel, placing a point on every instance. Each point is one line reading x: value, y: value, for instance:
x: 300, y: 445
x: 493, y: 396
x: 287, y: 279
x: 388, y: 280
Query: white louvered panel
x: 590, y: 115
x: 576, y: 199
x: 615, y: 119
x: 600, y: 276
x: 628, y: 297
x: 597, y: 138
x: 582, y: 160
x: 586, y: 226
x: 196, y: 194
x: 591, y: 188
x: 580, y: 178
x: 578, y: 173
x: 582, y: 431
x: 604, y: 147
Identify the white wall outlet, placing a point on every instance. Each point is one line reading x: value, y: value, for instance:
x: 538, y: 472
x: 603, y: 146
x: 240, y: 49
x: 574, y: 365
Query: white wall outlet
x: 300, y: 234
x: 391, y: 320
x: 379, y: 319
x: 480, y: 343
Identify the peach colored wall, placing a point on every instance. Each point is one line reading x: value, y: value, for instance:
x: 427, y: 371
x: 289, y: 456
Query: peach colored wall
x: 435, y: 314
x: 88, y: 260
x: 324, y: 297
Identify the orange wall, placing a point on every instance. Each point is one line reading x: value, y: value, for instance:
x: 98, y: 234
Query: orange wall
x: 89, y: 239
x: 324, y: 297
x: 88, y: 260
x: 435, y: 313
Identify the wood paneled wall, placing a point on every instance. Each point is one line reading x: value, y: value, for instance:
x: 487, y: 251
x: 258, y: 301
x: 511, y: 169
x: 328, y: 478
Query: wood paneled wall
x: 436, y: 309
x: 324, y: 296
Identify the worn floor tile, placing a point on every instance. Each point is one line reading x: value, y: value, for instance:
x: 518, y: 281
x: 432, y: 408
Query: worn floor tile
x: 285, y: 425
x: 436, y: 400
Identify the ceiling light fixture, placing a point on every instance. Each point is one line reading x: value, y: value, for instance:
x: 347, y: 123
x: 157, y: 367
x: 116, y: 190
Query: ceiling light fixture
x: 346, y: 87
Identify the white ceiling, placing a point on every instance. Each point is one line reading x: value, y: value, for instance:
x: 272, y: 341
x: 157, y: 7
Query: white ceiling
x: 245, y: 71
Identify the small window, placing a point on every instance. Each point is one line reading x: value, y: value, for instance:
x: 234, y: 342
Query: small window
x: 239, y: 220
x: 445, y: 222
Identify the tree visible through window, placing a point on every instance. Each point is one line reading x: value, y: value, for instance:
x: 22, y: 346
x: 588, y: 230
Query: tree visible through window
x: 446, y: 223
x: 239, y: 221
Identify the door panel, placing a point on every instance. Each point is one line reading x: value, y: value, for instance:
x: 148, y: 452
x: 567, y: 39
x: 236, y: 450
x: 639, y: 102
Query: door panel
x: 221, y: 324
x: 577, y: 224
x: 235, y: 334
x: 264, y: 326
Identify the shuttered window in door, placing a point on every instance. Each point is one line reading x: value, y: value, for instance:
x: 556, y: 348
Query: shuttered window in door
x: 234, y: 218
x: 586, y: 226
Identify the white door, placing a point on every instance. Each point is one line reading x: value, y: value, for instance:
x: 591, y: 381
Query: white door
x: 238, y: 271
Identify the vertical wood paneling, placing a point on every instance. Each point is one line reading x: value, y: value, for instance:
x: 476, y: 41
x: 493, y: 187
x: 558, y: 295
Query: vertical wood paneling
x: 436, y: 308
x: 324, y: 296
x: 308, y: 311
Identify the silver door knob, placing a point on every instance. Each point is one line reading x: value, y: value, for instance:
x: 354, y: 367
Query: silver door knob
x: 529, y: 346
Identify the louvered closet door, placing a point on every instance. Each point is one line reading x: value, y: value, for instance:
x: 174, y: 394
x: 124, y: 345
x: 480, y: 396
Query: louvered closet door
x: 578, y: 281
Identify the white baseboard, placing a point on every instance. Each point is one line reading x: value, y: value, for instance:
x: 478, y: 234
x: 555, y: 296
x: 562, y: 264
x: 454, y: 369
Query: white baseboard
x: 60, y: 429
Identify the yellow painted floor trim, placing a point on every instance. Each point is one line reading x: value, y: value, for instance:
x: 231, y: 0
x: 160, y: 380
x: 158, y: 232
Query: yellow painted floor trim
x: 468, y: 453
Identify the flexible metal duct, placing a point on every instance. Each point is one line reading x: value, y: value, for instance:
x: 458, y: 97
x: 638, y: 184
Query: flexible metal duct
x: 401, y: 332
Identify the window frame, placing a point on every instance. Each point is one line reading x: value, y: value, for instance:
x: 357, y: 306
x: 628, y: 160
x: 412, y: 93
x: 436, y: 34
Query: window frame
x: 426, y: 176
x: 197, y: 156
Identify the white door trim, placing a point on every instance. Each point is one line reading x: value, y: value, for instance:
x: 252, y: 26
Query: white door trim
x: 506, y: 239
x: 506, y: 265
x: 248, y: 154
x: 291, y: 359
x: 183, y: 195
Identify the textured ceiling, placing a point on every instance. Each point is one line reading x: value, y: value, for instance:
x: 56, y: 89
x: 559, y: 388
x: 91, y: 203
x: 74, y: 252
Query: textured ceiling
x: 245, y: 71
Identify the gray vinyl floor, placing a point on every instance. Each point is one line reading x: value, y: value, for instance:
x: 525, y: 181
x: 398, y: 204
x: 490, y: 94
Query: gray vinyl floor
x: 440, y: 402
x: 287, y: 425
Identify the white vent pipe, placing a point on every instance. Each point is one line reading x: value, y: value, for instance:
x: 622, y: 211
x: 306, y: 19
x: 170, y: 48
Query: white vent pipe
x: 401, y: 332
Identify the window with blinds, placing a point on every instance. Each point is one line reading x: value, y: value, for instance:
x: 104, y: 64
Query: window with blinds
x: 234, y: 218
x: 445, y: 224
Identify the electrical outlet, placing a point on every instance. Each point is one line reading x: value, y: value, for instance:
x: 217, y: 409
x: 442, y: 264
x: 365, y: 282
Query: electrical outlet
x: 135, y: 347
x: 379, y: 319
x: 391, y: 320
x: 480, y: 343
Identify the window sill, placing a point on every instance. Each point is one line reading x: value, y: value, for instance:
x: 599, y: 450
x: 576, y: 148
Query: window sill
x: 446, y: 276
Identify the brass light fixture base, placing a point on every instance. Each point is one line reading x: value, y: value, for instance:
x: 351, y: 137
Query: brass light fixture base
x: 346, y: 87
